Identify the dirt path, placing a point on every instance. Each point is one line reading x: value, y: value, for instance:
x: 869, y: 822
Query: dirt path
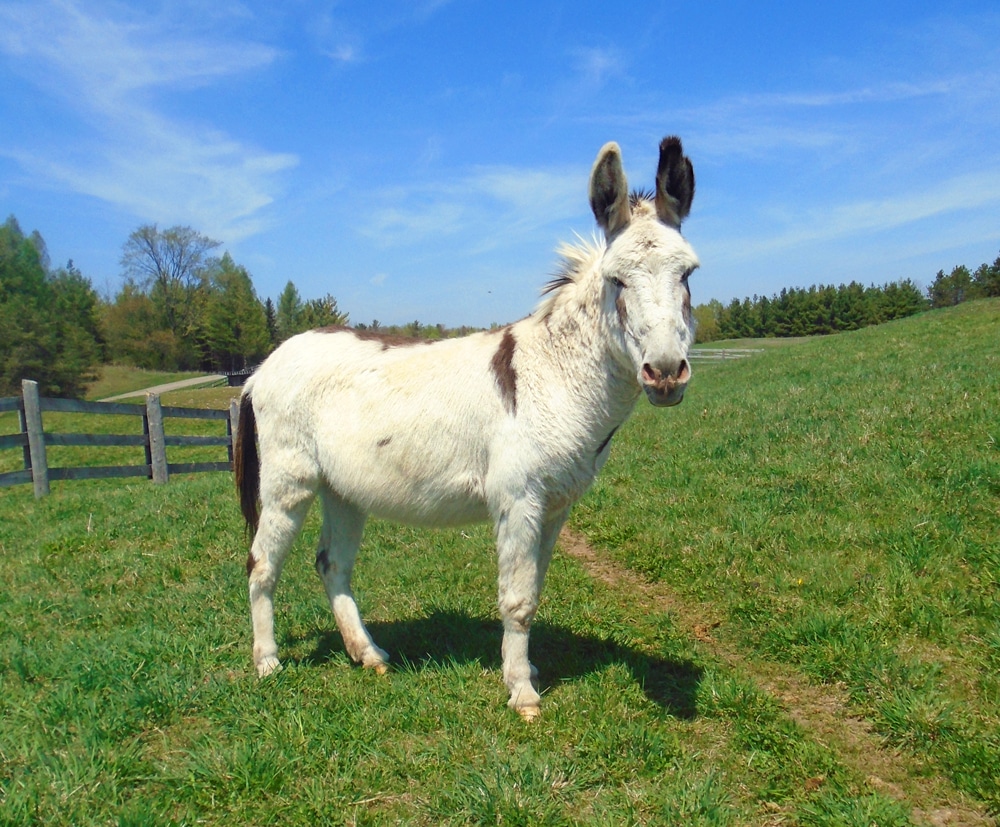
x: 169, y: 386
x: 821, y: 711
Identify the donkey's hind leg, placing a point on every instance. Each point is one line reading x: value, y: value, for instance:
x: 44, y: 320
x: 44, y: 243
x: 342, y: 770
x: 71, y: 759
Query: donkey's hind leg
x: 283, y: 510
x: 343, y: 525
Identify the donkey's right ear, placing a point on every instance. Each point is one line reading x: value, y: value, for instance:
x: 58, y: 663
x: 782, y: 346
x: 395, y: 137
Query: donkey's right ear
x: 609, y: 190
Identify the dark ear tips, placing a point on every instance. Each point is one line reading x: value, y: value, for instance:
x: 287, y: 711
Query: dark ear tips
x: 674, y: 182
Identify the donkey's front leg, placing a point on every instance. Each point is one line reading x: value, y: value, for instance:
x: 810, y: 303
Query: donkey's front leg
x: 524, y: 545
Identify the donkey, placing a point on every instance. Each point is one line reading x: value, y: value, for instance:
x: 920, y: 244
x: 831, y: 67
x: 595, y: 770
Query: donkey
x: 509, y: 426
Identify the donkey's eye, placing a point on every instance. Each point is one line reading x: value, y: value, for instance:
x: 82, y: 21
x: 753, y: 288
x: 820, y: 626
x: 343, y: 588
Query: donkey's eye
x: 617, y: 282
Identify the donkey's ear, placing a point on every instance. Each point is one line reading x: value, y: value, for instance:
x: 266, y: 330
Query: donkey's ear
x: 609, y: 190
x: 674, y: 183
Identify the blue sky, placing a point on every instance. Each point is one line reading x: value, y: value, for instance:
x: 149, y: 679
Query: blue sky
x: 422, y: 160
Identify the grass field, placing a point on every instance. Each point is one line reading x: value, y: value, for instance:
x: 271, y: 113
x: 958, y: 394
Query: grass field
x: 115, y: 379
x: 779, y: 605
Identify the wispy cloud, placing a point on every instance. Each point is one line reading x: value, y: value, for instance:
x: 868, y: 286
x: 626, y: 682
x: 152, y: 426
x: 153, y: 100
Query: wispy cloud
x: 109, y: 69
x: 490, y: 206
x: 596, y: 66
x: 870, y: 217
x: 884, y: 93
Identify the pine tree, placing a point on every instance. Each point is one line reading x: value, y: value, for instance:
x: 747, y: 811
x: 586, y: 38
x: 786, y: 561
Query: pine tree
x: 986, y: 280
x: 235, y: 323
x: 48, y: 321
x: 288, y: 318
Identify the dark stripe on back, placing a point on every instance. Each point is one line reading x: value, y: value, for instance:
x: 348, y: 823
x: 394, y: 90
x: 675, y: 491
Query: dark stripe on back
x: 387, y: 340
x: 502, y: 364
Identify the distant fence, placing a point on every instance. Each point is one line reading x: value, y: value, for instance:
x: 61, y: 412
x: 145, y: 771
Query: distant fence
x: 718, y: 354
x: 33, y: 440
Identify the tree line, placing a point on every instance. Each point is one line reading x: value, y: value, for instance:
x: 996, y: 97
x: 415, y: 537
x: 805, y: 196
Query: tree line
x: 181, y: 307
x: 823, y: 309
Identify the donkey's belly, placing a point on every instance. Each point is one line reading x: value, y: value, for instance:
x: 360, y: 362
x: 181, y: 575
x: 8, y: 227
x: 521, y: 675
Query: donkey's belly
x: 420, y: 499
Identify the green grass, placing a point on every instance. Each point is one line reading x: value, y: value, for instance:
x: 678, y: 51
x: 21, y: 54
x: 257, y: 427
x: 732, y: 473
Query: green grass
x: 115, y: 379
x: 829, y: 508
x: 838, y: 504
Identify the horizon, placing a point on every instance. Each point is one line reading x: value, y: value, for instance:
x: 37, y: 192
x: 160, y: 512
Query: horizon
x: 384, y: 160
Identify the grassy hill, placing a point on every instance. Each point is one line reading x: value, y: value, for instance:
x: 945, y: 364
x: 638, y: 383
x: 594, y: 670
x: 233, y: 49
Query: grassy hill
x: 835, y: 505
x: 778, y: 605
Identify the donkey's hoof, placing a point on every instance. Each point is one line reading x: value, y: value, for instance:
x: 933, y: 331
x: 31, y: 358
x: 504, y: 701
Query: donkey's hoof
x: 379, y: 667
x: 529, y: 713
x: 268, y: 666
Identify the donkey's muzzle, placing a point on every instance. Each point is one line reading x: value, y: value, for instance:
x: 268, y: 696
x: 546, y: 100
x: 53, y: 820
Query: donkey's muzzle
x: 665, y: 389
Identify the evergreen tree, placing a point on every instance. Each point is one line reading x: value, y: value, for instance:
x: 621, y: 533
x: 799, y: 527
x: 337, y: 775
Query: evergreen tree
x: 947, y: 291
x: 48, y: 321
x: 288, y: 318
x: 235, y: 323
x: 986, y: 280
x: 321, y: 313
x: 271, y: 320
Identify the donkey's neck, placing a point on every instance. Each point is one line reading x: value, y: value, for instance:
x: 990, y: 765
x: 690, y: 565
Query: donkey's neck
x: 575, y: 342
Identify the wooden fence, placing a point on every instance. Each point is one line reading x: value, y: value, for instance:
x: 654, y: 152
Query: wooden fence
x: 32, y: 439
x: 720, y: 354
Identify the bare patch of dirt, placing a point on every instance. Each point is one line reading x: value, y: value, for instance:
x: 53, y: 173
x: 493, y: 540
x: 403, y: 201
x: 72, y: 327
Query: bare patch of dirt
x: 821, y: 711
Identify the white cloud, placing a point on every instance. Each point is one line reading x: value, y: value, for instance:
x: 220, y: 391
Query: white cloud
x: 107, y: 71
x: 870, y: 217
x: 491, y: 206
x: 597, y: 65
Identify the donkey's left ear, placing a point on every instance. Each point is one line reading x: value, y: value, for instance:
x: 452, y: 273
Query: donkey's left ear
x: 609, y: 190
x: 674, y: 183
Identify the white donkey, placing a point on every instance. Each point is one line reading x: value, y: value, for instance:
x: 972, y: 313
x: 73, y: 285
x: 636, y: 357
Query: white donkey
x: 509, y: 426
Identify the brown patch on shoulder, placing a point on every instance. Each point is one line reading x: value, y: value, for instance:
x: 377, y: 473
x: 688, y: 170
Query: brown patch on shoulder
x: 502, y: 364
x: 387, y: 340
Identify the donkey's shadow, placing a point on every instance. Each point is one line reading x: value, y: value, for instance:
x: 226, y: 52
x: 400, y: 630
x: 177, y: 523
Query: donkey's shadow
x: 560, y: 654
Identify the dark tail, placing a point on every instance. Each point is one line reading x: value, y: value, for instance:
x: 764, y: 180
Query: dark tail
x: 246, y: 464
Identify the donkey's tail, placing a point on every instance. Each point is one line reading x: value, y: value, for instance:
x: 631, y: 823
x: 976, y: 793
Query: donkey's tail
x: 246, y: 464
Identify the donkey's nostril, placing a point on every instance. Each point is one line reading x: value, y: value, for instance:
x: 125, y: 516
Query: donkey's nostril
x: 654, y: 376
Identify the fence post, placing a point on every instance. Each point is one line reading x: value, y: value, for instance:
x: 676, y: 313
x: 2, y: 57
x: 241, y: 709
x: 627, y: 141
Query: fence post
x: 36, y: 437
x: 233, y: 426
x: 157, y: 439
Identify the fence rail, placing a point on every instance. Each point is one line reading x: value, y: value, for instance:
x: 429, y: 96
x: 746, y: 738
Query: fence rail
x: 33, y: 439
x: 720, y: 354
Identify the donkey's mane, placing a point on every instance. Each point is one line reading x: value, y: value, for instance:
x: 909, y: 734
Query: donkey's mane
x: 577, y: 258
x: 637, y: 196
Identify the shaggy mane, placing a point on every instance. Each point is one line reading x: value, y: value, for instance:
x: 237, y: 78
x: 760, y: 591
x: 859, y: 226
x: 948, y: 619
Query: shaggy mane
x: 576, y: 259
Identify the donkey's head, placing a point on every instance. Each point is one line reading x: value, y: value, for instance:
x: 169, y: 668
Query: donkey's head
x: 645, y: 268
